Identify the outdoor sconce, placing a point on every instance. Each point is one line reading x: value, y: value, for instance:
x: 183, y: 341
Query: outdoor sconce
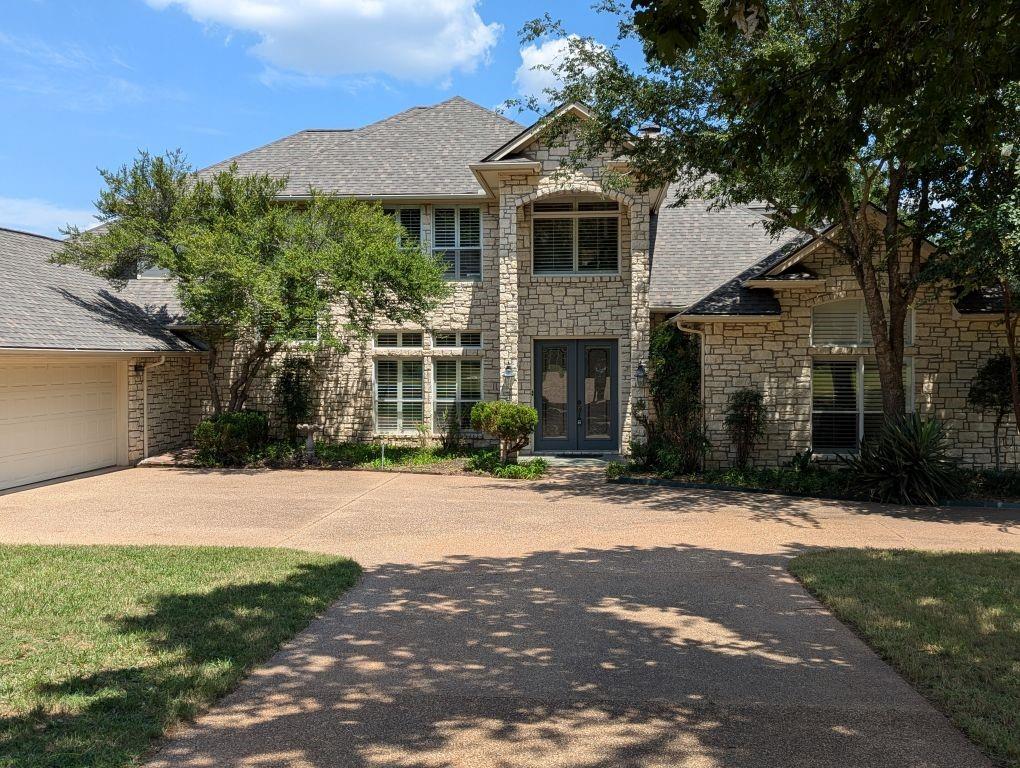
x: 640, y: 374
x: 508, y: 375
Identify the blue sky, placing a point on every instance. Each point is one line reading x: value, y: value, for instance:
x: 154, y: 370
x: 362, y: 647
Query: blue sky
x: 86, y: 85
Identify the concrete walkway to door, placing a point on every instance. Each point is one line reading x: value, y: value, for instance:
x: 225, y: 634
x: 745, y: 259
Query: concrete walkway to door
x: 557, y: 623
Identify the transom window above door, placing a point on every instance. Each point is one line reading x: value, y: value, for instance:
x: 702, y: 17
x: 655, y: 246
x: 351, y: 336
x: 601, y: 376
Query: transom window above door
x: 575, y: 236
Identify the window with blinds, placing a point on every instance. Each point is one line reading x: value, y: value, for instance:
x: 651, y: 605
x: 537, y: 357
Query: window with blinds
x: 845, y: 324
x: 466, y: 339
x: 398, y: 395
x: 846, y: 402
x: 575, y: 236
x: 409, y: 218
x: 393, y: 339
x: 457, y: 240
x: 458, y: 388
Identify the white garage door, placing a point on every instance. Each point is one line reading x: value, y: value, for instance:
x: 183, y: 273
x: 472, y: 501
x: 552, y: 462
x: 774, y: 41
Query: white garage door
x: 56, y: 418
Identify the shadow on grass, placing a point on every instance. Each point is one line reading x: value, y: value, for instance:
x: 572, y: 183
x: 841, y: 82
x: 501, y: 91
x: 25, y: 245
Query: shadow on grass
x: 201, y: 645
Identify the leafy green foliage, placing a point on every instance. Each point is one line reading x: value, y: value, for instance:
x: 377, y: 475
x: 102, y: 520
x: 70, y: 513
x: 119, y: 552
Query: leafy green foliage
x: 490, y: 463
x: 452, y: 436
x: 231, y: 438
x: 252, y: 273
x: 106, y: 648
x: 991, y: 391
x: 745, y: 422
x: 294, y: 392
x: 510, y: 423
x: 829, y: 107
x: 907, y: 463
x: 676, y: 437
x: 948, y: 622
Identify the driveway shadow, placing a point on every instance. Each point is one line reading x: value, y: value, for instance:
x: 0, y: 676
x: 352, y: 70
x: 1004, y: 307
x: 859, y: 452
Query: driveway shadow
x: 627, y: 656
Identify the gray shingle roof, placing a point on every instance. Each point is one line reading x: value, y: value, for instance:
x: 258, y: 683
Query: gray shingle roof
x: 422, y: 151
x: 48, y: 306
x: 697, y: 251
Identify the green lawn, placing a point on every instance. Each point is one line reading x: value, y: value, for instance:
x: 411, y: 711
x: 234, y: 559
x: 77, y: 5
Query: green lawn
x: 948, y: 622
x: 103, y: 648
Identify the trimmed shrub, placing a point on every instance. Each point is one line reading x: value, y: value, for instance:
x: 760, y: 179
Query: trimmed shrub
x: 490, y: 463
x: 908, y: 463
x: 510, y: 423
x: 745, y: 421
x: 231, y: 438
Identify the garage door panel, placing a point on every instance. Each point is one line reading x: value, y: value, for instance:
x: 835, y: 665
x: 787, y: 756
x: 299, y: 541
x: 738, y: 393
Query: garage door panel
x: 56, y: 419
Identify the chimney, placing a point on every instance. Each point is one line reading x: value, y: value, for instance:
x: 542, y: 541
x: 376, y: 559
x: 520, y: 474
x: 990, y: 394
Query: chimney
x: 649, y: 130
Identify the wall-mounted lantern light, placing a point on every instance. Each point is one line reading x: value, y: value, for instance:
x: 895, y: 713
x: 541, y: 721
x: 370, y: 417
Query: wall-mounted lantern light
x: 508, y: 375
x: 640, y: 374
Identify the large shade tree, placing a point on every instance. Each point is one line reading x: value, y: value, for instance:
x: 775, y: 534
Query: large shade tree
x: 253, y: 274
x: 852, y: 119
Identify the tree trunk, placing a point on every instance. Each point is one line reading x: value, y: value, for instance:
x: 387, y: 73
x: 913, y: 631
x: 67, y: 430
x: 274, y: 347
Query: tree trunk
x: 997, y: 436
x: 1009, y: 318
x: 213, y: 382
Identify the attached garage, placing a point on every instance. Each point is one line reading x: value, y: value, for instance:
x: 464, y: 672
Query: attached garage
x: 59, y: 417
x: 76, y: 366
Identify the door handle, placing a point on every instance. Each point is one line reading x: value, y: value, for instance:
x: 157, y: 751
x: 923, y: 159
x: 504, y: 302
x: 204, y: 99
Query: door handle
x: 579, y: 413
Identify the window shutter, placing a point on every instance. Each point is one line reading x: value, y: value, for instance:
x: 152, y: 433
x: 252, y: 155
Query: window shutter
x: 410, y: 220
x: 471, y: 380
x: 554, y: 245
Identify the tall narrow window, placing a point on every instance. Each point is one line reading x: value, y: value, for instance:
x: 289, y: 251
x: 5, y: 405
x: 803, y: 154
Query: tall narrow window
x: 458, y: 388
x: 457, y: 240
x: 575, y: 236
x: 846, y: 402
x: 398, y: 395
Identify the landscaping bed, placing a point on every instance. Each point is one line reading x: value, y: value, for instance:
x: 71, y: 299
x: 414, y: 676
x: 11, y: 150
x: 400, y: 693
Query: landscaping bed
x: 947, y: 622
x: 368, y: 456
x: 105, y: 648
x: 979, y: 486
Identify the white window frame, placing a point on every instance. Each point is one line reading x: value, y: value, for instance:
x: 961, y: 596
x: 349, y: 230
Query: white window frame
x: 864, y: 339
x: 576, y: 215
x: 400, y: 340
x: 460, y: 341
x: 421, y: 218
x: 437, y: 401
x: 401, y: 429
x: 457, y: 248
x: 859, y: 410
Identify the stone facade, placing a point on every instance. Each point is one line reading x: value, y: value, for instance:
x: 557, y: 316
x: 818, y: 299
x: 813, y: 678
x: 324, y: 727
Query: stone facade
x: 173, y: 397
x: 776, y: 357
x: 510, y: 306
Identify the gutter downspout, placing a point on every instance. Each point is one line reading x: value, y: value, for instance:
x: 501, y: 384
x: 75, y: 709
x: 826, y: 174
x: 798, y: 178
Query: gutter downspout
x: 700, y: 333
x: 145, y: 403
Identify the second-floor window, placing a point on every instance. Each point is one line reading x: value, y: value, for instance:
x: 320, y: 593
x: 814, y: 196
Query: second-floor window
x: 457, y: 240
x: 409, y: 217
x: 576, y: 236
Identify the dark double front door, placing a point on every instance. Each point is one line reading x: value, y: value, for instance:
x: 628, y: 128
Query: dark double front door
x: 576, y: 395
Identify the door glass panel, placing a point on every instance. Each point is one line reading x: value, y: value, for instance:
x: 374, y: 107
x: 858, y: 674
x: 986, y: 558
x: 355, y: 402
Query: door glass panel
x: 554, y: 391
x: 597, y: 388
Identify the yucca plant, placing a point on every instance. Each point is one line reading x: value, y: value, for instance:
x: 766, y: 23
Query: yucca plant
x: 907, y: 463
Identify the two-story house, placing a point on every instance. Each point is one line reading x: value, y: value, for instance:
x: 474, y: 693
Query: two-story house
x: 557, y: 281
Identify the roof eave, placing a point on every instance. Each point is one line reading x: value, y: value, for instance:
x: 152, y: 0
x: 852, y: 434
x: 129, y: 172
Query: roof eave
x: 720, y: 318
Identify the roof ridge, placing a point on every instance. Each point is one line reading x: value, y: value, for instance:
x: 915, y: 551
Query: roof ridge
x: 467, y: 101
x: 30, y: 234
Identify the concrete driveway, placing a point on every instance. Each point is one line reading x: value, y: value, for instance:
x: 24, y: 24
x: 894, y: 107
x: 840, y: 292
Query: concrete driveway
x: 557, y: 623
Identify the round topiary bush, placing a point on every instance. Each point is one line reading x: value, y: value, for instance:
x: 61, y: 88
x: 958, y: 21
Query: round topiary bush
x: 510, y: 423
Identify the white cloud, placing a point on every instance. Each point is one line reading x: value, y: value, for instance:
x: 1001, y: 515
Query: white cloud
x: 537, y: 72
x: 416, y: 40
x: 42, y: 217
